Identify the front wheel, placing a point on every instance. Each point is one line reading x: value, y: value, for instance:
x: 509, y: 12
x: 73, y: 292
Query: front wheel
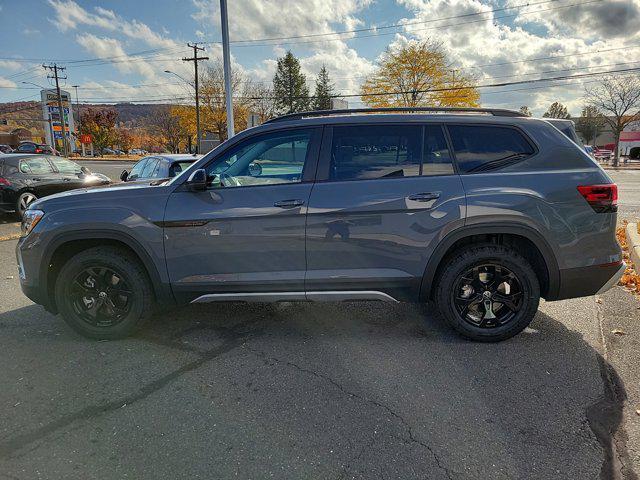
x: 488, y: 293
x: 24, y: 200
x: 104, y: 293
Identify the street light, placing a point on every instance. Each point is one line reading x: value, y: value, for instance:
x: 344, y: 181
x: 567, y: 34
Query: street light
x: 34, y: 84
x: 195, y: 87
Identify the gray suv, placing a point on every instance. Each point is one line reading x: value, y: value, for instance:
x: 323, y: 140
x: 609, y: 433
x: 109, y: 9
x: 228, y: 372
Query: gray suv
x: 480, y: 211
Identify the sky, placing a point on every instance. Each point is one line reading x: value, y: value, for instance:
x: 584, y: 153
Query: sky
x: 119, y: 50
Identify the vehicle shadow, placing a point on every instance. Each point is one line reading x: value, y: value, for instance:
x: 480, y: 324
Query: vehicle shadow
x: 362, y: 390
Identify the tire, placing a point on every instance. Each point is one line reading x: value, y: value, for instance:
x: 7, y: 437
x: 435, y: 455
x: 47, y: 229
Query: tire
x: 462, y: 300
x: 24, y: 200
x: 104, y: 293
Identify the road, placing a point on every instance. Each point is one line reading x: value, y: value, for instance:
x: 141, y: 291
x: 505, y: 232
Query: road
x: 352, y: 390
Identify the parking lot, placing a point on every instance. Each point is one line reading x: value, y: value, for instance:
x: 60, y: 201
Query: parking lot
x: 352, y: 390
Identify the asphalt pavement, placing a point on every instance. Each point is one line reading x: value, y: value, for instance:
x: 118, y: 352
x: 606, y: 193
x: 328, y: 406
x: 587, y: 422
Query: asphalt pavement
x: 306, y: 391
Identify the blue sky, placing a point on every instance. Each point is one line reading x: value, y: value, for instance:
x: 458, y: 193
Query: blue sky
x: 482, y: 38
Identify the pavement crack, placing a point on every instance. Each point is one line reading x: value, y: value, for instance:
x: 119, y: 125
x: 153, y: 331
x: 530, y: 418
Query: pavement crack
x: 234, y: 340
x: 411, y: 436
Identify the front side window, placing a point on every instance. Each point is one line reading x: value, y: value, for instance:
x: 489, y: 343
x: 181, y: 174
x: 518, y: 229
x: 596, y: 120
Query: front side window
x: 66, y: 166
x: 375, y: 151
x: 137, y: 169
x: 272, y: 158
x: 149, y: 168
x: 487, y: 147
x: 36, y: 166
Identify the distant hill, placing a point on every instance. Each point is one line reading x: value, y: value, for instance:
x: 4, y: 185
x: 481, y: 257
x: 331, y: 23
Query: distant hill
x: 130, y: 114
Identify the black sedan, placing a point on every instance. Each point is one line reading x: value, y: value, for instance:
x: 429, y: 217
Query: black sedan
x: 157, y: 167
x: 36, y: 148
x: 25, y: 178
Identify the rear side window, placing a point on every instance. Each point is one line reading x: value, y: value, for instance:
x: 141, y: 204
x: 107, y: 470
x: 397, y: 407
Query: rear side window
x: 366, y: 152
x: 486, y: 147
x: 36, y: 166
x: 436, y: 160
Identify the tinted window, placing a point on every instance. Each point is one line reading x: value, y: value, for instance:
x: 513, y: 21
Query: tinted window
x: 479, y: 147
x: 178, y: 167
x: 137, y: 169
x: 436, y: 159
x: 27, y: 147
x: 65, y: 166
x: 267, y: 159
x: 366, y: 152
x: 36, y: 166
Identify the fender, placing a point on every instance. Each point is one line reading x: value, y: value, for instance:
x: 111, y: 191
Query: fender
x: 161, y: 289
x: 493, y: 228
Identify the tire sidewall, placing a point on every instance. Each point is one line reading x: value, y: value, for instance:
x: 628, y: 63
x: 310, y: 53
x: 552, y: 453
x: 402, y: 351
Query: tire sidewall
x: 20, y: 212
x: 121, y: 265
x: 498, y: 255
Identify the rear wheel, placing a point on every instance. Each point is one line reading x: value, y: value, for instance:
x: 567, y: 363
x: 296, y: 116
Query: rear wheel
x: 488, y: 293
x: 104, y: 293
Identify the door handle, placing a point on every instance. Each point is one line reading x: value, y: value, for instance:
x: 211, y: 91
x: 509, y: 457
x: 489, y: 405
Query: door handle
x: 424, y: 197
x: 289, y: 203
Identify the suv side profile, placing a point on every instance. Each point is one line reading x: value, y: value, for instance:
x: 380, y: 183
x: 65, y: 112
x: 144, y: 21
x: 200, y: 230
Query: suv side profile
x: 481, y: 211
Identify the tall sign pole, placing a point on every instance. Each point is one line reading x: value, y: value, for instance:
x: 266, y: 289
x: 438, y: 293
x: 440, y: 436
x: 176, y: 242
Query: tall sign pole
x: 55, y: 69
x: 227, y: 66
x: 195, y: 61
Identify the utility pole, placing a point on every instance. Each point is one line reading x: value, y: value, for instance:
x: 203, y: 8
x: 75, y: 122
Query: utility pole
x: 78, y: 107
x: 195, y: 61
x: 55, y: 69
x: 226, y: 59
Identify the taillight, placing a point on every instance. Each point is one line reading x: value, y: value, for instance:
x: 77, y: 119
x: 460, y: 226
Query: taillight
x: 602, y: 198
x: 5, y: 182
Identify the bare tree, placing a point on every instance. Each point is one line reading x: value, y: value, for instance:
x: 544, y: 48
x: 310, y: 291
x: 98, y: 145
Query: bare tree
x: 263, y: 102
x: 213, y: 98
x: 618, y: 98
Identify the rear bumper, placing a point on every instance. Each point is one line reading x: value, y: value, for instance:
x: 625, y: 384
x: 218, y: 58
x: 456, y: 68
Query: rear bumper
x: 585, y: 281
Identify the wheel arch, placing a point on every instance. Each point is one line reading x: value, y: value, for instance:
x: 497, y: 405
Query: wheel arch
x: 63, y: 247
x: 523, y: 237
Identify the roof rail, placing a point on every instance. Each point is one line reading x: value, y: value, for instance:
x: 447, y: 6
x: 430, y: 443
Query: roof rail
x: 497, y: 112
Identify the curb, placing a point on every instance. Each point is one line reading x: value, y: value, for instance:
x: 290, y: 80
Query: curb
x: 633, y: 241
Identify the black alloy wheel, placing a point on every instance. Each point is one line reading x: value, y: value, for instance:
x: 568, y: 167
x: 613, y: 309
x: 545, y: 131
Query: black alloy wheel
x: 488, y: 296
x: 101, y: 296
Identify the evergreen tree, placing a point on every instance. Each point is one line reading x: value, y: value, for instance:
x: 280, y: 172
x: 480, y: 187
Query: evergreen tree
x: 324, y: 91
x: 525, y: 111
x: 290, y: 86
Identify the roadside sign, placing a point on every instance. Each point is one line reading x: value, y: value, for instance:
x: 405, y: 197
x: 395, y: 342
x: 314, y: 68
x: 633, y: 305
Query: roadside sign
x: 85, y: 138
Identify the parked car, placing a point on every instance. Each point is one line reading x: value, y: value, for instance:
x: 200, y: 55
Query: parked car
x: 25, y: 178
x: 158, y: 166
x: 36, y: 148
x: 137, y: 151
x: 602, y: 154
x: 5, y: 149
x: 108, y: 151
x: 566, y: 126
x: 483, y: 213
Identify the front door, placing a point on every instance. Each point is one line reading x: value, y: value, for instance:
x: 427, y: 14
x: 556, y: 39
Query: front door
x: 246, y: 232
x: 385, y: 196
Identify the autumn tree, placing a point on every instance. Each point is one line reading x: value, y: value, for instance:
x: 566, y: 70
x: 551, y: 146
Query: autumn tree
x: 100, y: 123
x: 124, y: 139
x: 168, y: 127
x: 324, y: 91
x: 213, y: 113
x: 418, y: 74
x: 618, y: 98
x: 186, y: 115
x: 290, y: 86
x: 590, y: 123
x: 557, y: 110
x: 525, y: 111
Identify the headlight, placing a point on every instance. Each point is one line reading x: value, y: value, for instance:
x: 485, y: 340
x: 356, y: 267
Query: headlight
x: 30, y: 219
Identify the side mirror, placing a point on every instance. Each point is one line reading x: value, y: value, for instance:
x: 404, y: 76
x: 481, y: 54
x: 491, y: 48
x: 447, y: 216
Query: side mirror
x: 85, y: 170
x: 197, y: 181
x: 124, y: 175
x: 255, y: 169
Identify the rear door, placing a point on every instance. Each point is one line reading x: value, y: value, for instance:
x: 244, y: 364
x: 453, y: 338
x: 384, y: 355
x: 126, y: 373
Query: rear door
x: 385, y: 196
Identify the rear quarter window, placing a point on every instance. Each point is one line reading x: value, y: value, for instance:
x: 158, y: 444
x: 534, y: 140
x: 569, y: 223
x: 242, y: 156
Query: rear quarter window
x: 480, y: 148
